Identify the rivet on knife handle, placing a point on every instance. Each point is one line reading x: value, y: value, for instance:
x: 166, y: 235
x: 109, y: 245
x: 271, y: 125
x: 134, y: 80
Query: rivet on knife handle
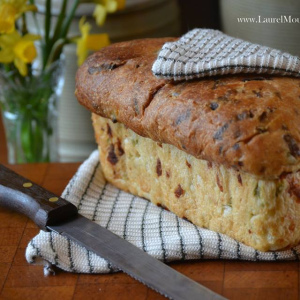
x: 41, y: 206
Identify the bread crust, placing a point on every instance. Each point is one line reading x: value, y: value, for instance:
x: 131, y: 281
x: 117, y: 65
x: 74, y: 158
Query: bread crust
x: 247, y: 122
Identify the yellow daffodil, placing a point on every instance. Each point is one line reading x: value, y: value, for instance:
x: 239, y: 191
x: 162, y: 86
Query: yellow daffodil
x: 88, y: 41
x: 99, y: 14
x: 19, y: 50
x: 106, y: 6
x: 10, y: 10
x: 121, y: 4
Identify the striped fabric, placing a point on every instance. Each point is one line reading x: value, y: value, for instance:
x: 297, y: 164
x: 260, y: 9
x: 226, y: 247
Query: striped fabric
x: 207, y: 52
x: 153, y: 229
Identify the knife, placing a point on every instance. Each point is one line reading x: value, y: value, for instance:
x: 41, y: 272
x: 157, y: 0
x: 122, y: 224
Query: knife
x: 53, y: 213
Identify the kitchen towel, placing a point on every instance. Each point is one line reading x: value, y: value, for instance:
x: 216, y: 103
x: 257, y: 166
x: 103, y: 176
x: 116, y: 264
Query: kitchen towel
x: 208, y: 52
x: 153, y: 229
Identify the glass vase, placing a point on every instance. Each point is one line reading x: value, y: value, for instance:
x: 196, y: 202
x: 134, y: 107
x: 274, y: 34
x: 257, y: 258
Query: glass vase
x: 29, y: 113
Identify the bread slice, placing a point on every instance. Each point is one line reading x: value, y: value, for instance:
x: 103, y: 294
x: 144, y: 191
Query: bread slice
x: 222, y: 152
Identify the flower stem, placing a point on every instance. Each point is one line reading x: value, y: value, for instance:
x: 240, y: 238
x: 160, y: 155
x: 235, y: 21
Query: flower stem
x: 47, y: 21
x: 32, y: 2
x: 24, y: 26
x: 68, y: 20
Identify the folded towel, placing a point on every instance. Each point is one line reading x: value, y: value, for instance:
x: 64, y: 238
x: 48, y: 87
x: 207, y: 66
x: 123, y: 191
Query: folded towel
x: 154, y: 230
x: 207, y: 52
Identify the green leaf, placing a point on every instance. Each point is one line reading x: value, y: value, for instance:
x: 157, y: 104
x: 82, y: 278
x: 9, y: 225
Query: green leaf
x: 47, y: 21
x: 59, y: 22
x: 56, y: 50
x: 26, y: 139
x: 38, y: 142
x: 68, y: 20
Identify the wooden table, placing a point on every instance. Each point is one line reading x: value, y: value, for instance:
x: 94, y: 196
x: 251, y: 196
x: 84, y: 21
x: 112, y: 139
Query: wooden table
x: 20, y: 280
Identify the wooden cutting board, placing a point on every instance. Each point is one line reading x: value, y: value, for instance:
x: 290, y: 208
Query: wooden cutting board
x: 20, y: 280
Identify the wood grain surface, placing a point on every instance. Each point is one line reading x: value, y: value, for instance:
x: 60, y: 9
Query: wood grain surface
x: 3, y: 150
x: 20, y: 280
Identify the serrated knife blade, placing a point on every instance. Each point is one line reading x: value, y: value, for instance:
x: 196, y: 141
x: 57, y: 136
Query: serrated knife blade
x: 54, y: 213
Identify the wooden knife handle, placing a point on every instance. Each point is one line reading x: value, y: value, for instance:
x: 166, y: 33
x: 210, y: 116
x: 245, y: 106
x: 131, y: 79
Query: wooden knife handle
x: 26, y: 197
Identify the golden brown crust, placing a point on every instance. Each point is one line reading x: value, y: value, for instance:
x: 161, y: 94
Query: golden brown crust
x: 248, y: 122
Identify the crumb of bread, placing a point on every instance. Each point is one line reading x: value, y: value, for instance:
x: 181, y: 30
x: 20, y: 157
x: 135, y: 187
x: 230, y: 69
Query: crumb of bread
x: 264, y: 214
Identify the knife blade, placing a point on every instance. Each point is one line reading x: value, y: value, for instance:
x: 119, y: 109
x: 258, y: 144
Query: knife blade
x: 54, y: 213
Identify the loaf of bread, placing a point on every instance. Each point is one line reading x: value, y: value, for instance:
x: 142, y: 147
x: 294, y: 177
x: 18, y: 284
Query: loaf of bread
x: 221, y: 152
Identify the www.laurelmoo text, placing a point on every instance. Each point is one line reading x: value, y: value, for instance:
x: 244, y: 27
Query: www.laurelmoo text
x: 260, y: 19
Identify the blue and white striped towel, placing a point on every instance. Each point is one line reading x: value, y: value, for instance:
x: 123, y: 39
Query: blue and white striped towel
x: 208, y: 52
x: 151, y: 228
